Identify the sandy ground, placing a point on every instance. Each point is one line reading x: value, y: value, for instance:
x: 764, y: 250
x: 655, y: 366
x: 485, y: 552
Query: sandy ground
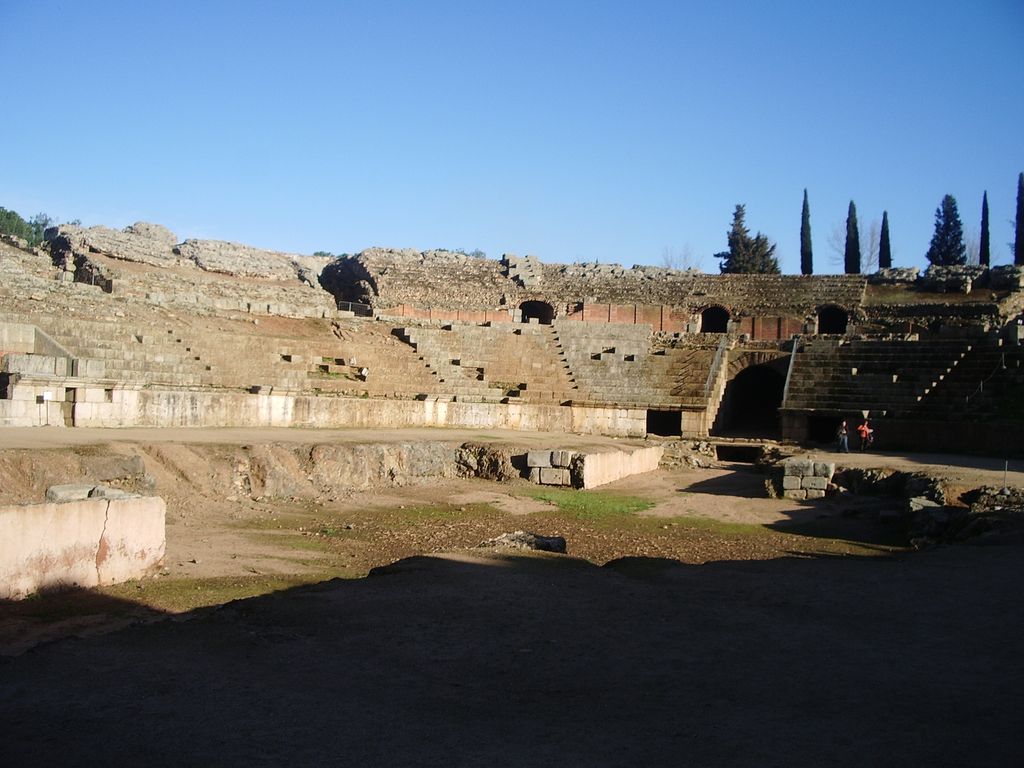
x: 690, y: 646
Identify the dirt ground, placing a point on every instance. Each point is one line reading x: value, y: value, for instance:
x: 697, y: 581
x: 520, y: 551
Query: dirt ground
x: 693, y: 621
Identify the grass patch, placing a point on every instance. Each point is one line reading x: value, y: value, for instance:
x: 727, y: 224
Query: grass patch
x: 591, y: 505
x: 181, y: 595
x: 716, y: 526
x: 442, y: 511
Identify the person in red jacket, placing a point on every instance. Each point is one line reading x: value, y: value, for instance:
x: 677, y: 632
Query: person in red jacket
x: 866, y: 435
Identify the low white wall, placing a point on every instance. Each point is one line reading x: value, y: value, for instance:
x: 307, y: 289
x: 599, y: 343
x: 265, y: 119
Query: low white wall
x: 177, y: 408
x: 29, y: 413
x: 17, y: 337
x: 601, y: 468
x: 86, y: 543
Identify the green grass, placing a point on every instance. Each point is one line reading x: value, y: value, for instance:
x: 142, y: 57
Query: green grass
x: 591, y: 505
x: 716, y: 526
x: 179, y: 595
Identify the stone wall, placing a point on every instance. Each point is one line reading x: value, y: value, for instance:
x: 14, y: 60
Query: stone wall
x: 806, y: 478
x: 204, y: 408
x: 444, y: 285
x: 589, y: 470
x: 87, y: 542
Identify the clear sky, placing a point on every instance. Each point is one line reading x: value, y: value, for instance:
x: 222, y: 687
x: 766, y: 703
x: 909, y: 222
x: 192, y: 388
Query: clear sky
x: 575, y: 131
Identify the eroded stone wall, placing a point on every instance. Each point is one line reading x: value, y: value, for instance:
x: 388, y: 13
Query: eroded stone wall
x: 82, y: 543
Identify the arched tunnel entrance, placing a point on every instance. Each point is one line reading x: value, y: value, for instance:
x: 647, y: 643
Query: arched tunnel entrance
x: 714, y: 320
x: 543, y: 312
x: 750, y: 405
x: 832, y: 320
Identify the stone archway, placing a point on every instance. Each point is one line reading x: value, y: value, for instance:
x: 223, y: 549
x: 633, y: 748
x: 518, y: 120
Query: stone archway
x: 540, y: 311
x: 832, y: 319
x: 750, y: 404
x: 714, y: 320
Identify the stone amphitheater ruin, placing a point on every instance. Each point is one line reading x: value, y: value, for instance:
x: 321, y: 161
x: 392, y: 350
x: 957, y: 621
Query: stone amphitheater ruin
x: 714, y: 625
x: 105, y: 328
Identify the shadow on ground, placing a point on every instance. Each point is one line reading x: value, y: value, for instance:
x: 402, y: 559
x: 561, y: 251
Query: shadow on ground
x: 465, y: 659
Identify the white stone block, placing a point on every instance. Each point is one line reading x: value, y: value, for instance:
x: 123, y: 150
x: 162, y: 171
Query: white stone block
x: 538, y: 459
x: 554, y: 476
x: 562, y: 458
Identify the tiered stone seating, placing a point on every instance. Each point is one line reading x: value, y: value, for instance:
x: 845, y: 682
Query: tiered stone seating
x: 614, y: 364
x: 986, y: 383
x: 143, y: 356
x: 491, y: 363
x: 321, y: 358
x: 876, y: 375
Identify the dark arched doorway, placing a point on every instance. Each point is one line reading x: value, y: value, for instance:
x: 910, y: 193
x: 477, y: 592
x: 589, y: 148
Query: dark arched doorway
x: 832, y: 319
x: 714, y: 320
x: 750, y: 405
x: 540, y: 311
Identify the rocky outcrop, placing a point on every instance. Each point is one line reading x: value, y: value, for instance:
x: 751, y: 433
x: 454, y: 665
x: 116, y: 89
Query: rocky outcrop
x: 526, y: 540
x: 240, y: 260
x: 141, y: 242
x: 958, y: 278
x: 386, y: 278
x: 157, y: 246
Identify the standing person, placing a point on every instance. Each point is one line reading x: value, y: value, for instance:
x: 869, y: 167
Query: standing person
x: 865, y: 432
x: 842, y: 438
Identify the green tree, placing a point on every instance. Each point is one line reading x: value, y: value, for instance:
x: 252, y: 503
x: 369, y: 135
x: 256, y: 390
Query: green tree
x: 1018, y: 242
x: 884, y: 251
x: 31, y: 231
x: 947, y: 247
x: 747, y: 254
x: 39, y: 224
x: 806, y: 256
x: 851, y: 256
x: 983, y: 249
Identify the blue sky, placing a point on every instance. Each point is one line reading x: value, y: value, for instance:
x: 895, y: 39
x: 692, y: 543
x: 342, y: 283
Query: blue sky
x: 575, y: 131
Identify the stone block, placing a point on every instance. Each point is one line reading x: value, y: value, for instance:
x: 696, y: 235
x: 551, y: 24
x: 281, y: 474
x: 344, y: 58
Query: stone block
x: 538, y: 459
x: 791, y: 483
x: 815, y: 483
x: 796, y: 494
x: 106, y: 492
x: 69, y: 492
x: 824, y: 469
x: 535, y: 475
x: 813, y: 494
x: 554, y: 476
x: 799, y: 467
x: 561, y: 458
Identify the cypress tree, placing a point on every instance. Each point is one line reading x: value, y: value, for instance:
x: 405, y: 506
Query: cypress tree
x: 884, y: 251
x: 806, y: 257
x: 747, y: 254
x: 1018, y: 243
x: 983, y: 249
x: 947, y: 247
x: 851, y: 258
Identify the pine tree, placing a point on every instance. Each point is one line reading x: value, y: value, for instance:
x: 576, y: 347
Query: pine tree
x: 851, y: 258
x: 806, y: 257
x: 747, y: 254
x: 947, y: 247
x: 1018, y: 243
x: 983, y: 249
x: 884, y: 251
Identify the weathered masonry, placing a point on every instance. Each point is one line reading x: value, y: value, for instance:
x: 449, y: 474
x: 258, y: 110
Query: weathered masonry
x: 108, y: 328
